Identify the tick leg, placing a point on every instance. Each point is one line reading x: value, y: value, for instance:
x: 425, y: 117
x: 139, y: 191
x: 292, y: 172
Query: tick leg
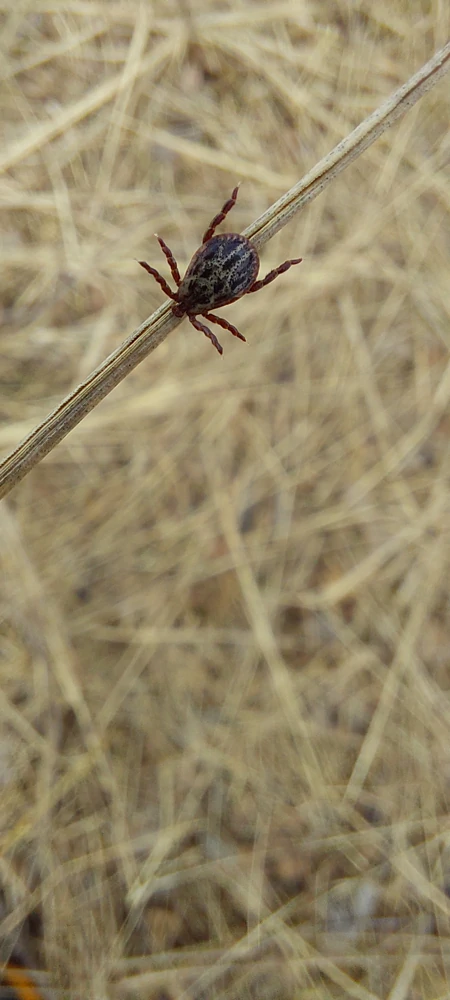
x: 159, y: 278
x: 273, y: 274
x: 170, y: 258
x: 225, y: 324
x: 220, y: 217
x: 208, y: 333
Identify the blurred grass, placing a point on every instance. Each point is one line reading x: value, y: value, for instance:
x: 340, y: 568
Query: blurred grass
x: 224, y: 749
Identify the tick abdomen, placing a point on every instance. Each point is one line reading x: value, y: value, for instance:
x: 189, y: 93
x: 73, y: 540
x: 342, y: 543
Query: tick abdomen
x: 220, y: 271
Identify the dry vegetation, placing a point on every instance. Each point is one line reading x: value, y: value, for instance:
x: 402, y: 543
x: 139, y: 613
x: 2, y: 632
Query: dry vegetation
x: 225, y: 651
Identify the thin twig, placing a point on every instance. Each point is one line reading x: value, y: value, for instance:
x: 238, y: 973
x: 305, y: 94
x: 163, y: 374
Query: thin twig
x: 156, y: 328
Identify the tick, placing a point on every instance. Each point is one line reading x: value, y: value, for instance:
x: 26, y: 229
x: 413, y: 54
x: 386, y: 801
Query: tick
x: 221, y: 270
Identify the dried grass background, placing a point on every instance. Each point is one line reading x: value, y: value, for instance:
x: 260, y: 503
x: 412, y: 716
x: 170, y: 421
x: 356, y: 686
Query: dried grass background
x: 225, y: 652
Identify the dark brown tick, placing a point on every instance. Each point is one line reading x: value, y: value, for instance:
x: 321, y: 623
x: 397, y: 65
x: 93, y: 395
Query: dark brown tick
x: 221, y: 270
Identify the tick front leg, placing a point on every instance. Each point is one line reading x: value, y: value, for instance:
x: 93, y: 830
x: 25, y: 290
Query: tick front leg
x: 208, y: 333
x: 220, y: 217
x: 159, y: 278
x: 273, y: 274
x: 225, y: 324
x: 170, y: 258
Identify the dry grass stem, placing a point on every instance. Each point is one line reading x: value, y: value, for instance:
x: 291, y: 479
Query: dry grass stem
x: 156, y: 328
x: 280, y: 213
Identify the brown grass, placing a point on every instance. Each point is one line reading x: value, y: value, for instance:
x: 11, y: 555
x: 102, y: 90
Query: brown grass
x: 225, y: 653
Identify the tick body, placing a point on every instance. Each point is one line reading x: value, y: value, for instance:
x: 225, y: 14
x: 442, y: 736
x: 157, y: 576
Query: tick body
x: 221, y: 270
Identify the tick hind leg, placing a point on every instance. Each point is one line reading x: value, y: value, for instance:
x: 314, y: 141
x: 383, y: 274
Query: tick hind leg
x: 208, y: 333
x: 170, y: 259
x: 220, y: 217
x: 273, y: 274
x: 159, y: 278
x: 225, y: 324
